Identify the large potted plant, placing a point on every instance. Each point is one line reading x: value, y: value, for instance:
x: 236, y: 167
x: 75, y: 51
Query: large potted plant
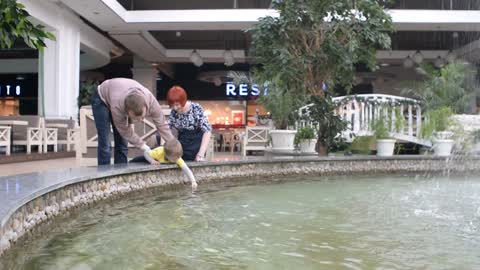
x: 313, y: 47
x: 282, y: 106
x: 436, y: 127
x: 306, y: 140
x: 443, y: 93
x: 385, y: 143
x: 476, y: 142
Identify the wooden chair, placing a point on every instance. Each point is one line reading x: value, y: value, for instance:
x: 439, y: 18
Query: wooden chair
x: 232, y: 139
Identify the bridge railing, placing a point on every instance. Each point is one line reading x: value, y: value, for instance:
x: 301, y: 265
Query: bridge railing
x: 360, y: 111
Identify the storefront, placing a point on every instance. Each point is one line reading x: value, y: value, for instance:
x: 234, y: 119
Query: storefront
x: 18, y: 94
x: 228, y: 106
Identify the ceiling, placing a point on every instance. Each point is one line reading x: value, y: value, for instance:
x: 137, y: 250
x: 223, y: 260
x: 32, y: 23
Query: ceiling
x: 193, y: 4
x: 436, y: 4
x: 440, y: 40
x: 221, y: 40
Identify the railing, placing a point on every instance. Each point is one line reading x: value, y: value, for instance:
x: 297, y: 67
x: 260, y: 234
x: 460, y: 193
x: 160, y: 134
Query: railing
x: 360, y: 111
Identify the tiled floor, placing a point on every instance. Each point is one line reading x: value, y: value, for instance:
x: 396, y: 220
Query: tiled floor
x: 45, y: 165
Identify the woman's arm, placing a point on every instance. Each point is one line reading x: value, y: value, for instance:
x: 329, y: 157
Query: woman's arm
x: 207, y: 133
x: 203, y: 146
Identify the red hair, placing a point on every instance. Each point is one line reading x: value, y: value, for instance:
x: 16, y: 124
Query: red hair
x: 176, y: 94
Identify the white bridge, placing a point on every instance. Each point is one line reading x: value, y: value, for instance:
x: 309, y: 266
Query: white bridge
x: 359, y: 111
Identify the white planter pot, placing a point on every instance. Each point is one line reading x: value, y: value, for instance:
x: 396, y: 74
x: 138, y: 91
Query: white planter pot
x: 443, y: 135
x: 443, y: 148
x: 283, y: 140
x: 308, y: 146
x: 476, y: 149
x: 385, y: 147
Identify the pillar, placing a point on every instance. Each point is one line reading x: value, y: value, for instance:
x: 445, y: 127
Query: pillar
x: 59, y: 72
x: 146, y: 74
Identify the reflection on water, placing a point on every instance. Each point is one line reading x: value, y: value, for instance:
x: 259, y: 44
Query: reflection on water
x: 337, y: 223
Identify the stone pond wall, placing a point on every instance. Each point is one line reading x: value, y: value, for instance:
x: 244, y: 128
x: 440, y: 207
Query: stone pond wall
x: 45, y: 207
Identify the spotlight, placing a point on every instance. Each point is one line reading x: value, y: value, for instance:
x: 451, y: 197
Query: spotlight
x: 418, y: 57
x: 196, y: 59
x: 408, y: 62
x: 228, y: 57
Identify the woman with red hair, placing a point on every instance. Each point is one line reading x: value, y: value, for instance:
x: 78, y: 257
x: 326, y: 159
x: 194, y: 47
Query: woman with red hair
x: 190, y: 123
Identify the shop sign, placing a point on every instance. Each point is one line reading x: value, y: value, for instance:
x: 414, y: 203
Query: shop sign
x: 10, y: 90
x: 242, y: 89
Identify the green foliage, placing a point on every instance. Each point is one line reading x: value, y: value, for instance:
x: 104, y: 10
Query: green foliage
x: 363, y: 145
x: 399, y: 121
x: 437, y: 120
x: 306, y: 133
x: 15, y: 24
x: 381, y: 130
x: 281, y: 104
x: 452, y: 86
x: 314, y: 42
x: 330, y: 125
x: 87, y: 89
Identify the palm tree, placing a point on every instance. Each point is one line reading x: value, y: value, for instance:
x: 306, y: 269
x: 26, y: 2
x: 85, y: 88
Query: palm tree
x: 453, y: 86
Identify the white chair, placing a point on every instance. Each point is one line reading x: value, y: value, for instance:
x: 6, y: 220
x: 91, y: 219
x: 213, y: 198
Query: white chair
x: 29, y: 135
x: 49, y: 136
x: 65, y: 133
x: 5, y: 138
x: 256, y: 138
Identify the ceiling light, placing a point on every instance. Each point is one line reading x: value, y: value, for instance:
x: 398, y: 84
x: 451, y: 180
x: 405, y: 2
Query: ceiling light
x: 228, y: 57
x: 408, y: 62
x: 196, y: 59
x: 217, y: 81
x: 451, y: 57
x: 418, y: 57
x: 439, y: 62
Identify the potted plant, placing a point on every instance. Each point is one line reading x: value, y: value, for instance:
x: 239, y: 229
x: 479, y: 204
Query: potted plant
x: 306, y: 140
x: 385, y: 143
x: 282, y: 106
x: 476, y: 141
x: 436, y: 127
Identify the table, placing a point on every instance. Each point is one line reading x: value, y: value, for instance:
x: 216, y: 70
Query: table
x: 12, y: 123
x: 56, y: 125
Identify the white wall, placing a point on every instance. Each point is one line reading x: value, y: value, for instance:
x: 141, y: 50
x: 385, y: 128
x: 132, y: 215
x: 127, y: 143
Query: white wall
x: 59, y: 62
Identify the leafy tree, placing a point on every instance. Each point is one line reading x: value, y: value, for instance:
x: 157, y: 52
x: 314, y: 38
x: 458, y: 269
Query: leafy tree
x: 15, y: 25
x: 318, y: 43
x: 313, y: 42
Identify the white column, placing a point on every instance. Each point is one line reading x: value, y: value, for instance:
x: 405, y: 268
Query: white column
x: 61, y: 71
x: 146, y: 74
x: 410, y: 120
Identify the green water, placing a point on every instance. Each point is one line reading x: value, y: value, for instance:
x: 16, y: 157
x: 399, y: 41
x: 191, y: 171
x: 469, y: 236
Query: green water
x: 394, y: 222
